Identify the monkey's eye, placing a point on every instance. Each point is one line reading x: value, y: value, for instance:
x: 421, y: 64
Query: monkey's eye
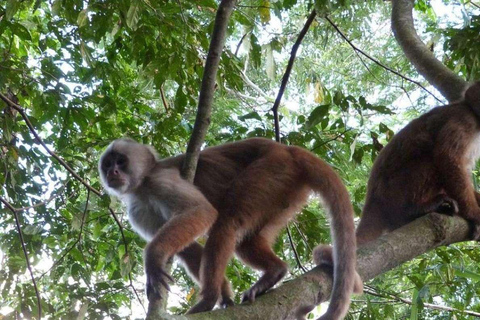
x: 121, y: 162
x: 107, y: 164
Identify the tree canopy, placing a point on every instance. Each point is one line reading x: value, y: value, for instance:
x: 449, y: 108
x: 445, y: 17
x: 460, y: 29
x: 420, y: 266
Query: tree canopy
x: 74, y: 75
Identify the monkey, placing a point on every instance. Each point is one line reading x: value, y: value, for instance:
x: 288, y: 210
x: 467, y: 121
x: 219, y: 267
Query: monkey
x: 243, y: 193
x: 425, y: 168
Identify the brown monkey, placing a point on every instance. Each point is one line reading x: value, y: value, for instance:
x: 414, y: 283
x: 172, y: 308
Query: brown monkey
x: 425, y: 168
x: 243, y: 194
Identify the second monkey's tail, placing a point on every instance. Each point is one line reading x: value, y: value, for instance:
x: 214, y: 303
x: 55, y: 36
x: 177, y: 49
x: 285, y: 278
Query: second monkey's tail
x: 326, y: 182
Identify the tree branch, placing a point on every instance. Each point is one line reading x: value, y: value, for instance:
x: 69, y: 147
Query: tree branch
x: 39, y: 140
x: 450, y: 85
x: 290, y: 299
x: 205, y: 99
x: 204, y: 110
x: 425, y: 305
x: 25, y: 253
x: 358, y: 50
x: 286, y: 75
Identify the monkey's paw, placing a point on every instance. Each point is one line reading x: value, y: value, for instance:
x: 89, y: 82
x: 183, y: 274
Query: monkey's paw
x: 251, y: 294
x: 157, y: 278
x: 202, y: 306
x: 226, y: 302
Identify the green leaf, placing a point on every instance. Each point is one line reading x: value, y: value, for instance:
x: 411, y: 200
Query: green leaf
x: 460, y: 272
x: 30, y: 229
x: 12, y: 8
x: 20, y: 31
x: 251, y: 115
x: 133, y: 15
x: 317, y: 115
x: 414, y: 310
x: 82, y: 19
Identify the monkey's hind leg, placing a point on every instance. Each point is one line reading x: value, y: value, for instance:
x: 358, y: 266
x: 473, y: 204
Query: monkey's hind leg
x: 216, y: 254
x: 257, y: 252
x: 441, y: 203
x: 192, y: 257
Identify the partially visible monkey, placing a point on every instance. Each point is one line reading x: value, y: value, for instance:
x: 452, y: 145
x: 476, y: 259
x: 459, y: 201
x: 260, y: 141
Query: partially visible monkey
x: 243, y: 194
x: 425, y: 168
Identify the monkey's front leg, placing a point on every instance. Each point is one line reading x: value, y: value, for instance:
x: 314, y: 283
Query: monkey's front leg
x: 176, y: 234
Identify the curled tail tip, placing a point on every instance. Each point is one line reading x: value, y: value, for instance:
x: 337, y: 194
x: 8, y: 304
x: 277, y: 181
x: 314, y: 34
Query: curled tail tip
x: 322, y: 254
x: 358, y: 284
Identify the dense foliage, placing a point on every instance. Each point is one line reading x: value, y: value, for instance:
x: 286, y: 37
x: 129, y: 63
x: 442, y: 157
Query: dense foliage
x: 87, y: 72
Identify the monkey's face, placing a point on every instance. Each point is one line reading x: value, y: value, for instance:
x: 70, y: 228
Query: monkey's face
x: 124, y: 164
x: 114, y: 171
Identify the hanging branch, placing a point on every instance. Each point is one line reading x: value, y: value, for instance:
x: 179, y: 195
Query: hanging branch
x: 25, y: 253
x: 207, y: 90
x: 356, y: 49
x: 286, y: 75
x: 294, y: 249
x: 276, y: 104
x: 450, y: 85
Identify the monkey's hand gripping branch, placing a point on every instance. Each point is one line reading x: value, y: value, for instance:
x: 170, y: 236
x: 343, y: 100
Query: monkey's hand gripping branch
x: 156, y: 274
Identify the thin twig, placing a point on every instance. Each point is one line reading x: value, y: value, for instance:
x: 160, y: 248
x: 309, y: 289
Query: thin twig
x: 79, y: 238
x: 302, y: 235
x: 120, y: 227
x: 330, y: 140
x: 240, y: 43
x: 25, y: 253
x: 295, y: 250
x: 474, y: 4
x: 286, y: 75
x: 40, y: 141
x: 426, y: 305
x: 164, y: 100
x: 43, y: 203
x: 376, y: 61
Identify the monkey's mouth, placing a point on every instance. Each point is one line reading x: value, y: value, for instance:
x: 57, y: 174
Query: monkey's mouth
x: 116, y: 182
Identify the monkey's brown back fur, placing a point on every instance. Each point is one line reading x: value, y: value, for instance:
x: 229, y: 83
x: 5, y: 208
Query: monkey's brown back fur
x: 425, y: 166
x: 257, y: 185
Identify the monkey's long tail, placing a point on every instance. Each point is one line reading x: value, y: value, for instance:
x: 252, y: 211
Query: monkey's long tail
x: 330, y: 187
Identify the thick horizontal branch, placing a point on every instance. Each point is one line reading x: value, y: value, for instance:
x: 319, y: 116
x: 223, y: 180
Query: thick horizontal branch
x: 386, y: 253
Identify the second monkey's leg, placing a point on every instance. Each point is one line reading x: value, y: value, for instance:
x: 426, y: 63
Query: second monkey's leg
x: 257, y: 252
